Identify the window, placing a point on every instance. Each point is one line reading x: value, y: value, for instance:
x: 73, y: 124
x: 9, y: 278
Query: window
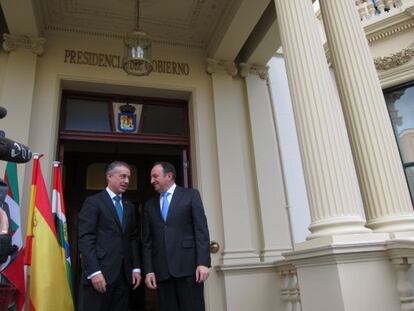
x: 86, y: 115
x: 104, y: 117
x: 159, y: 119
x: 400, y: 105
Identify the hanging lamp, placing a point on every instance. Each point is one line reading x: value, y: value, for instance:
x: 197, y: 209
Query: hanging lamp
x: 138, y: 51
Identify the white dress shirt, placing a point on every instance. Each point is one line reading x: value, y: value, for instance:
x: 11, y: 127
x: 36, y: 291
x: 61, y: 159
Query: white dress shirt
x: 169, y: 198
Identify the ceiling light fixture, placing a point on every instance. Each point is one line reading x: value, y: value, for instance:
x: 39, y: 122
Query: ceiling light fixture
x: 138, y: 51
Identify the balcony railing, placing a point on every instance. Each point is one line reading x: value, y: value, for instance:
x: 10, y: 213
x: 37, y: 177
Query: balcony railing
x: 370, y: 8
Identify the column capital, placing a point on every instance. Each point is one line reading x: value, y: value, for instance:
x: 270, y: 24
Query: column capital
x: 12, y: 42
x: 214, y: 65
x: 247, y: 69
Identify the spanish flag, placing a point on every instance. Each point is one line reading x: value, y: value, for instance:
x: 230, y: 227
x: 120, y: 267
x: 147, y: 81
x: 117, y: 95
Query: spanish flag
x: 48, y: 287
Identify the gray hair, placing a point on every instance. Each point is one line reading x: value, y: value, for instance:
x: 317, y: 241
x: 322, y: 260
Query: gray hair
x: 112, y: 166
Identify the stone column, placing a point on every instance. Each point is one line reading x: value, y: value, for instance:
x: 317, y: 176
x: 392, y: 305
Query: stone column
x: 332, y: 186
x: 269, y: 175
x: 18, y: 88
x: 383, y: 185
x: 239, y: 232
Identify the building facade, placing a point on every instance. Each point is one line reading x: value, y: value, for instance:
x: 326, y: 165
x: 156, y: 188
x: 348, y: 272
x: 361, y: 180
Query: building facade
x: 304, y: 167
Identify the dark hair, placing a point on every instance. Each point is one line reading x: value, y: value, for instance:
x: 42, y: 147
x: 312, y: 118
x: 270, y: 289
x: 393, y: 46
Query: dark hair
x: 114, y: 165
x: 167, y: 168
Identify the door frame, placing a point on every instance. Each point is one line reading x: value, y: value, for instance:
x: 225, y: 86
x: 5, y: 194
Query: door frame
x: 183, y: 141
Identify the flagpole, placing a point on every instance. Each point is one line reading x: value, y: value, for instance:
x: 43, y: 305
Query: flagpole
x: 49, y: 286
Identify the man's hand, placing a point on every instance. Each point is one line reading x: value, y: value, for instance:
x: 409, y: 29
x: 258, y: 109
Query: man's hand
x: 4, y: 222
x: 99, y: 283
x: 150, y: 281
x: 201, y: 274
x: 136, y: 279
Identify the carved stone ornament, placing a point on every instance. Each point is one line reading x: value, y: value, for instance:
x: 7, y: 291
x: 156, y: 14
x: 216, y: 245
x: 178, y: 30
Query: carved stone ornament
x: 261, y: 71
x: 289, y: 290
x: 395, y: 60
x: 214, y: 65
x: 12, y: 42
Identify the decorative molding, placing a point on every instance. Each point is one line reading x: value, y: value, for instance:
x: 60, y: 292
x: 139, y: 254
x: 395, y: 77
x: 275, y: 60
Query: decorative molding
x: 273, y: 254
x: 247, y: 69
x: 214, y: 66
x: 195, y: 26
x: 396, y: 59
x: 339, y: 252
x: 289, y: 291
x: 119, y: 36
x: 396, y: 76
x: 244, y: 267
x: 389, y: 30
x: 401, y: 254
x: 385, y: 63
x: 12, y: 42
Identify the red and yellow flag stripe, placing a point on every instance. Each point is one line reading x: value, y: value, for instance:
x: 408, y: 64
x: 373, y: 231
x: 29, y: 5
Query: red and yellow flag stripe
x: 48, y: 289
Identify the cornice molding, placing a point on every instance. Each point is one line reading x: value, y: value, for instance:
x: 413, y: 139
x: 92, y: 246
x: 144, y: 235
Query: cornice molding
x: 383, y: 30
x: 395, y: 59
x: 214, y: 66
x: 247, y: 69
x: 12, y: 42
x: 400, y: 251
x: 244, y: 267
x: 334, y: 254
x: 117, y: 36
x: 194, y: 28
x: 397, y: 75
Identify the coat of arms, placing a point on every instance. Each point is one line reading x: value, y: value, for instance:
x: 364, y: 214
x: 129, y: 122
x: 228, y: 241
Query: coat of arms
x: 127, y: 118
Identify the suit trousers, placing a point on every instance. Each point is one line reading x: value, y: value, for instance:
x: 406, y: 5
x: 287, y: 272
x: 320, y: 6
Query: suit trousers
x: 115, y: 299
x: 181, y: 294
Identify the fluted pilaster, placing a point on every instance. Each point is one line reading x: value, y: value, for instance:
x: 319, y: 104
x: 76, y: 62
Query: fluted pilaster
x: 332, y: 186
x: 384, y: 188
x: 269, y: 175
x: 240, y: 243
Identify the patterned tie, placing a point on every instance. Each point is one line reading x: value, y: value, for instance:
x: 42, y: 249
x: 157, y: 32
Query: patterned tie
x: 118, y: 207
x: 165, y: 205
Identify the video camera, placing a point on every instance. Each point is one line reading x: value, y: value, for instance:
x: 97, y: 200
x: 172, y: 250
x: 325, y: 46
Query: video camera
x: 11, y: 151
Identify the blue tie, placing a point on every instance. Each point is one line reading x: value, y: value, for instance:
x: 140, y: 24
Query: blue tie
x: 165, y: 205
x: 118, y: 207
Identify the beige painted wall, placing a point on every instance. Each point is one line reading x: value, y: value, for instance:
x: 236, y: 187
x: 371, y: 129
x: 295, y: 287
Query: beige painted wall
x: 51, y: 72
x: 3, y: 63
x: 349, y: 285
x: 255, y: 289
x: 52, y: 69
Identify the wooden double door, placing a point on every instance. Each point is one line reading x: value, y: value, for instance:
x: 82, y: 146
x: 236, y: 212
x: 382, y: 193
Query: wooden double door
x: 80, y: 179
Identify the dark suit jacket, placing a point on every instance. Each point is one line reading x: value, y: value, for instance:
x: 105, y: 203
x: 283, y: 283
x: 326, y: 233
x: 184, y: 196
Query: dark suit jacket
x: 104, y: 244
x: 176, y: 247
